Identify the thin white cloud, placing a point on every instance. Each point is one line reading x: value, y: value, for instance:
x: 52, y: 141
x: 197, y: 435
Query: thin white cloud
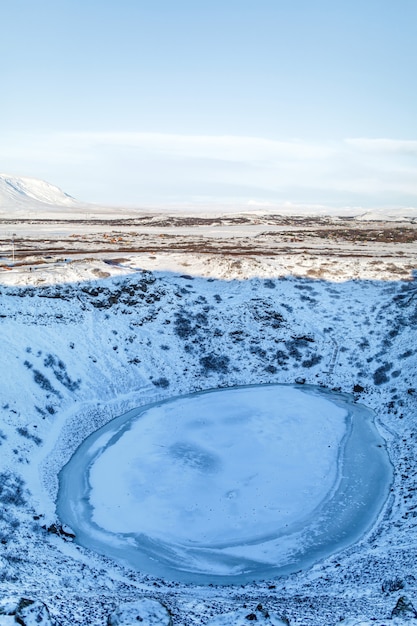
x: 222, y: 147
x: 138, y: 168
x: 384, y: 146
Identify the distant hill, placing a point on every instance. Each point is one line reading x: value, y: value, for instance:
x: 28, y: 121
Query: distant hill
x: 23, y: 197
x: 25, y: 193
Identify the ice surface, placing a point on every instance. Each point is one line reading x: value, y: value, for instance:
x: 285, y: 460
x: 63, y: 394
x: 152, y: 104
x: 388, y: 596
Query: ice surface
x: 222, y: 467
x: 228, y: 485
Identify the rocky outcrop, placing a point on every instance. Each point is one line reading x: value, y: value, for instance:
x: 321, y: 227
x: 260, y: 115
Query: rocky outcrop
x: 24, y: 611
x: 259, y: 616
x: 146, y: 611
x: 404, y: 609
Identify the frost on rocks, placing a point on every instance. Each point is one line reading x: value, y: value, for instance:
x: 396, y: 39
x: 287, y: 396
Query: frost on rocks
x: 384, y: 622
x: 24, y: 611
x: 404, y: 608
x: 146, y: 612
x: 259, y: 615
x: 403, y: 614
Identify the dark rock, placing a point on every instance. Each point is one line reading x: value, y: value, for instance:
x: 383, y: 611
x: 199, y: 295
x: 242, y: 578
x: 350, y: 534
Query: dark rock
x: 146, y: 611
x: 26, y: 612
x: 62, y: 530
x: 404, y: 608
x: 392, y: 584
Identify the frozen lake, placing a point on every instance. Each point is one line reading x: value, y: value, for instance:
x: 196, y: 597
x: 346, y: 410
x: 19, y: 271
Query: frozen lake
x: 229, y: 485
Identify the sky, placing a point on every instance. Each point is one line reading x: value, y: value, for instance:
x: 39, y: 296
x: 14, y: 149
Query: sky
x: 217, y: 102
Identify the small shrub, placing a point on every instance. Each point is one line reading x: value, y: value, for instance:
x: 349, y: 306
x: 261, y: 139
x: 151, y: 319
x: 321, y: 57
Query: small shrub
x: 8, y: 524
x: 43, y: 382
x: 237, y: 335
x: 11, y: 489
x: 313, y: 360
x: 406, y: 354
x: 364, y: 344
x: 60, y: 373
x: 201, y: 319
x: 293, y: 350
x: 392, y: 585
x: 215, y: 363
x: 358, y: 388
x: 281, y: 357
x: 183, y: 326
x: 380, y: 374
x: 23, y: 432
x: 260, y: 352
x: 161, y: 382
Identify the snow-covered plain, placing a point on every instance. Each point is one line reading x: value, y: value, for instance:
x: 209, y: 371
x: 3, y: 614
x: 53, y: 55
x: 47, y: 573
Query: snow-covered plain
x: 89, y: 338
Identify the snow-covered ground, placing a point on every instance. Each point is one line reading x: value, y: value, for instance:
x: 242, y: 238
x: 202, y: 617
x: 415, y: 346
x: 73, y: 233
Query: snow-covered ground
x: 86, y: 340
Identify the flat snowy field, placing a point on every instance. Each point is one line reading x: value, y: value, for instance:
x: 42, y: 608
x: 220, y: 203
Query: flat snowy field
x: 88, y: 337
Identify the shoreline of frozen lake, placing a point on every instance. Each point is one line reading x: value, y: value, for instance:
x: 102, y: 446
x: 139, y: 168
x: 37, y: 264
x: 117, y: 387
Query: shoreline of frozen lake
x: 228, y: 485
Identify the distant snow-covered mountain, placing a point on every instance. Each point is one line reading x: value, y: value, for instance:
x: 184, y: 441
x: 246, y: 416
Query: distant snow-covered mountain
x: 24, y: 197
x: 23, y: 192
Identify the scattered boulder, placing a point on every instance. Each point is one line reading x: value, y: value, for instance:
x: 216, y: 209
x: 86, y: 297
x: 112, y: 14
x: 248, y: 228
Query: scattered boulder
x: 354, y: 621
x: 260, y: 616
x: 390, y: 585
x: 396, y: 621
x: 24, y: 611
x: 146, y: 611
x: 8, y: 606
x: 404, y: 608
x: 300, y: 381
x: 62, y: 530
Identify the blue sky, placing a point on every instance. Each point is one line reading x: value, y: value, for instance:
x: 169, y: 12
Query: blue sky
x: 232, y: 101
